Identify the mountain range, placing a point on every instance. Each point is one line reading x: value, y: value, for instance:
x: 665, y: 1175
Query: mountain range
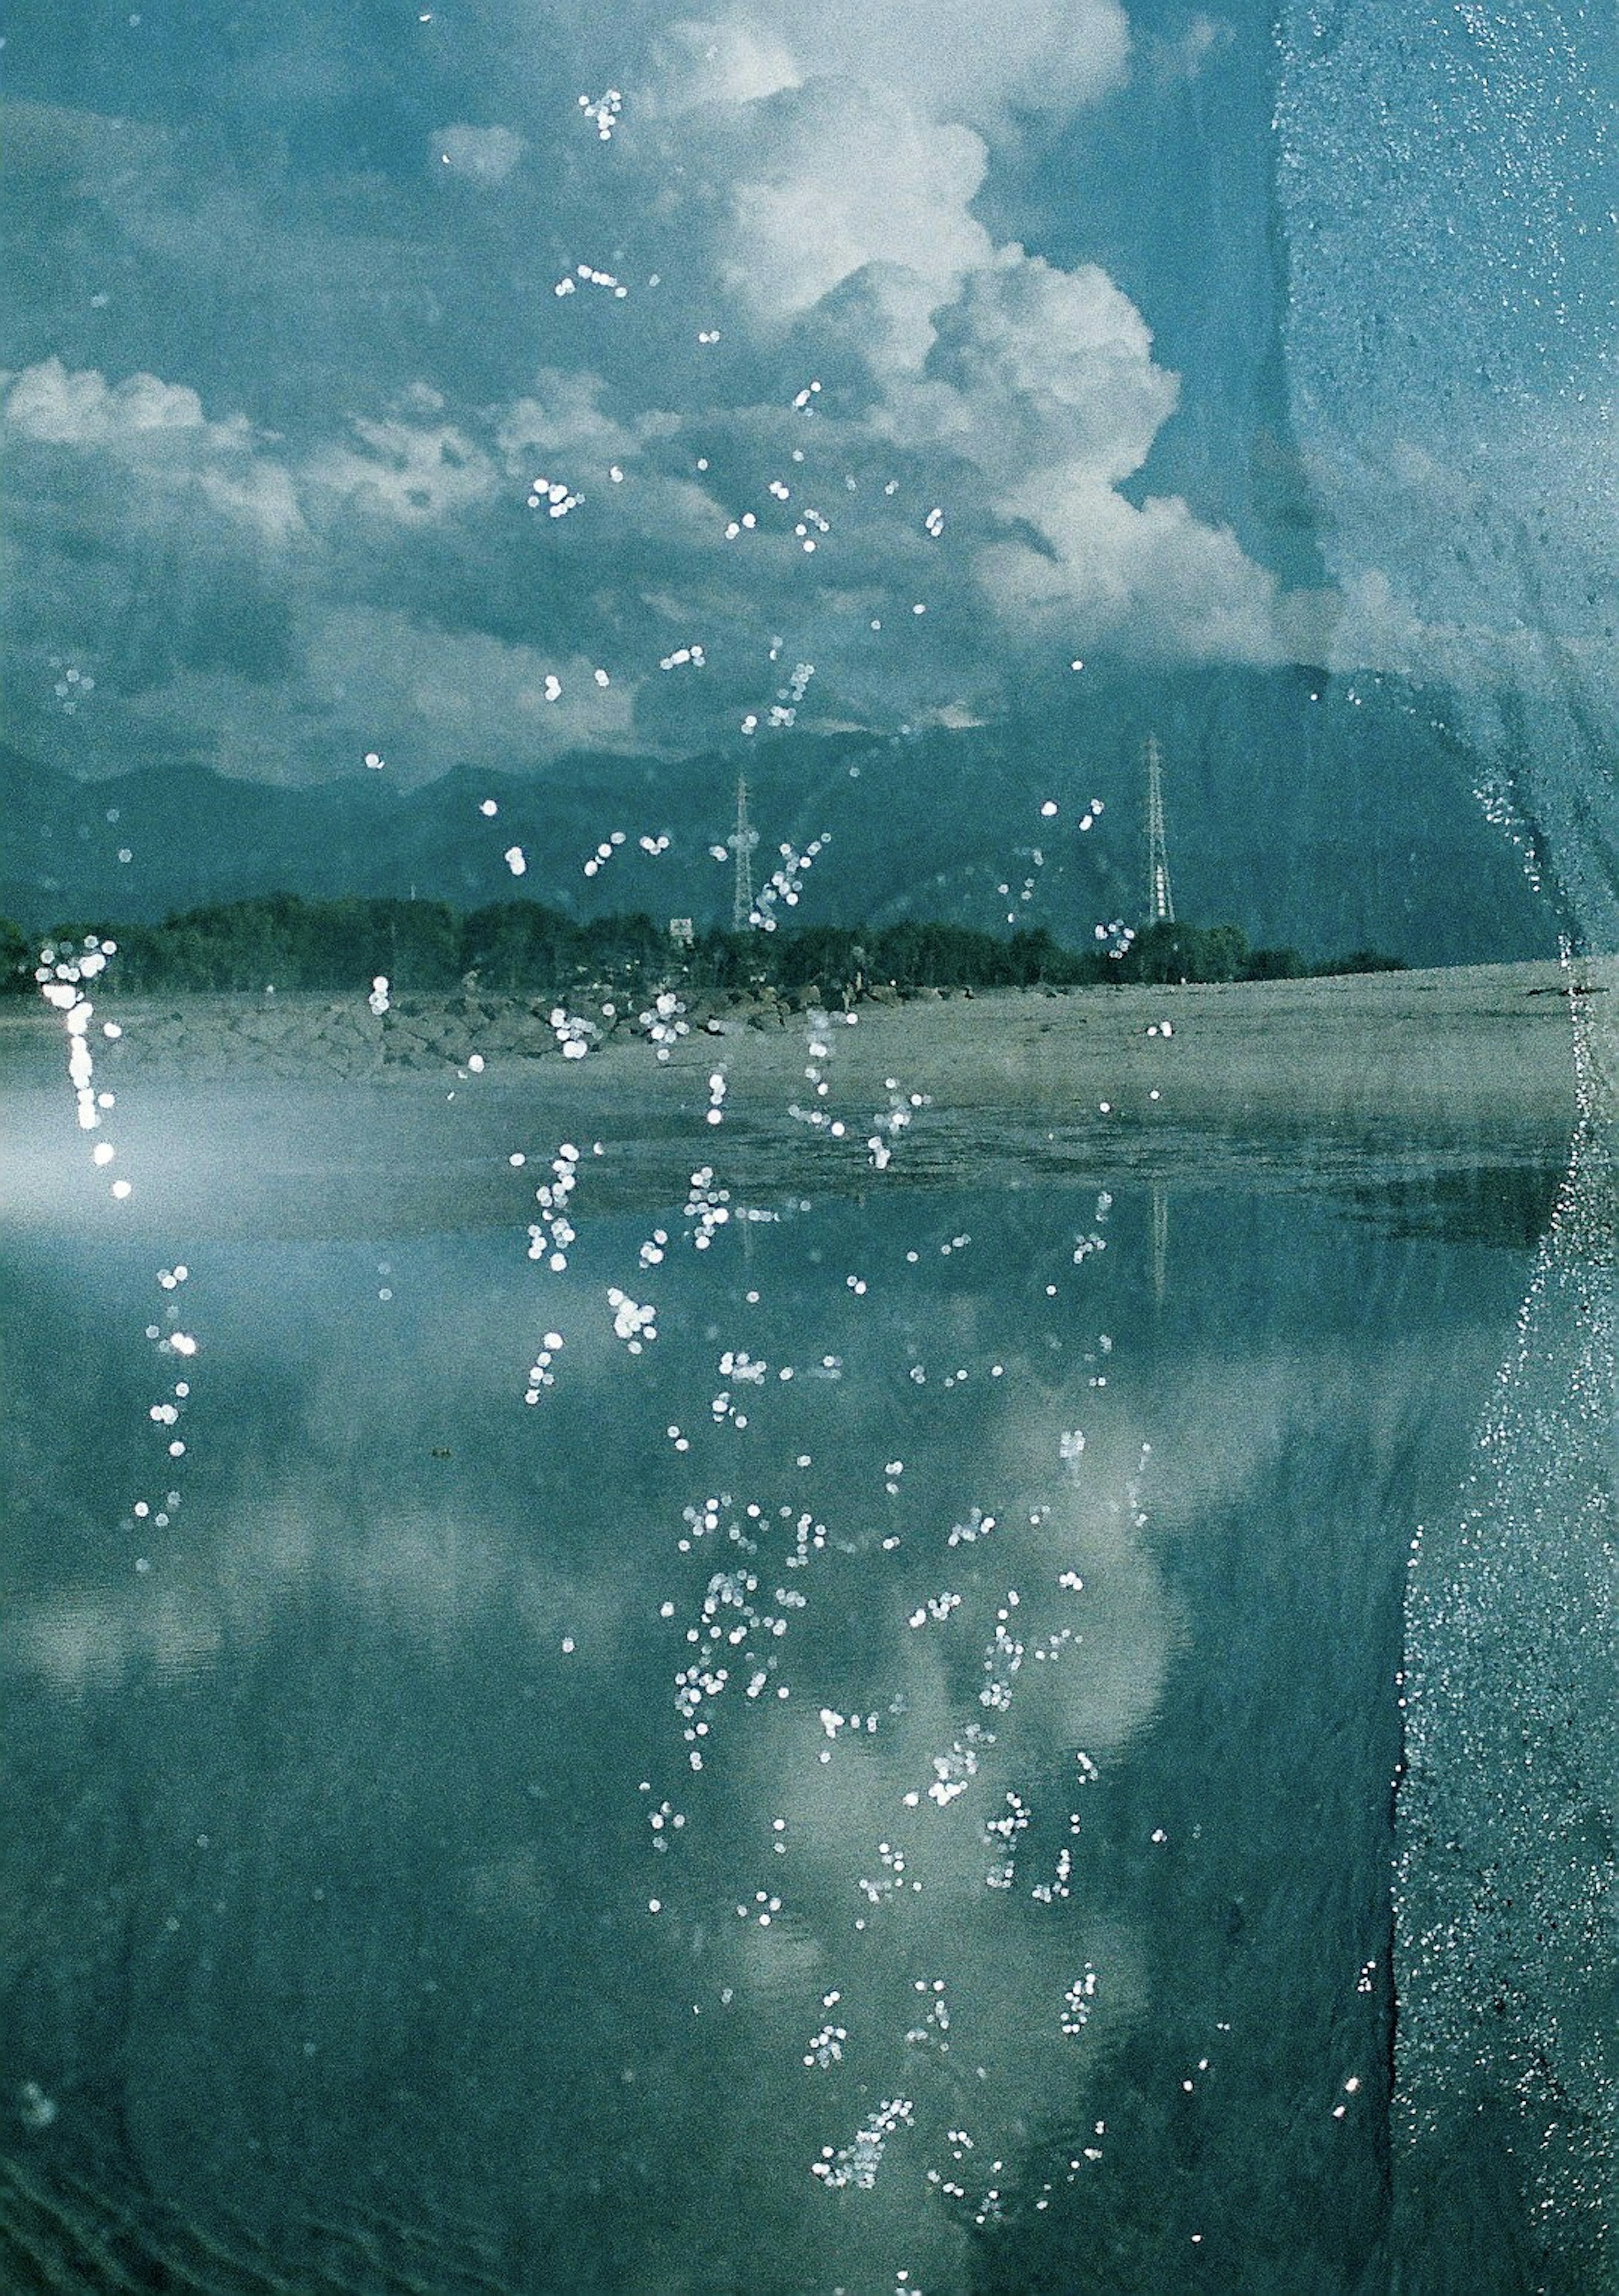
x: 1322, y: 813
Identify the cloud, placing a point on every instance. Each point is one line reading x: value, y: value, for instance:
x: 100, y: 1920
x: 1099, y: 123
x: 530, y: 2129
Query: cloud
x: 484, y: 155
x: 562, y: 417
x: 368, y: 678
x: 813, y: 188
x: 432, y: 699
x: 1027, y: 389
x: 956, y: 59
x: 847, y: 176
x: 1043, y: 380
x: 157, y: 432
x: 696, y: 65
x: 1152, y: 581
x: 415, y: 474
x: 1187, y: 56
x: 1520, y: 582
x: 411, y: 472
x: 973, y: 58
x: 61, y: 409
x: 1033, y: 366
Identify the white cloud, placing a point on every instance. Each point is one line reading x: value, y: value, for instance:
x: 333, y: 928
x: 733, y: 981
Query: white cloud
x: 1043, y: 380
x: 718, y: 63
x: 847, y: 176
x: 411, y: 473
x: 1186, y: 57
x: 158, y: 432
x: 1369, y: 624
x: 1472, y: 618
x: 562, y: 418
x: 1154, y: 579
x: 485, y: 155
x: 971, y: 59
x: 64, y: 408
x: 1372, y: 628
x: 431, y: 698
x: 259, y: 493
x: 1038, y: 367
x: 960, y: 59
x: 851, y: 208
x: 823, y: 167
x: 375, y: 679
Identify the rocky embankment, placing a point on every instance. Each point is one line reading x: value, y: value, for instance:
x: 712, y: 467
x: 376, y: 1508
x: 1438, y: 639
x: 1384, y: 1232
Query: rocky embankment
x: 300, y: 1035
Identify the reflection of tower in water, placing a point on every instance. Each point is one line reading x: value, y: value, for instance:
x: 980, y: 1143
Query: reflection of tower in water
x: 1160, y: 911
x: 1160, y: 1239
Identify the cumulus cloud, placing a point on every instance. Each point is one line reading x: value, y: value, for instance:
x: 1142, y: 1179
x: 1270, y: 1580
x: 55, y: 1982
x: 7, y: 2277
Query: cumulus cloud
x: 847, y: 176
x: 852, y: 212
x: 1043, y: 380
x: 1036, y: 366
x: 560, y: 416
x: 957, y: 60
x: 1368, y: 622
x: 433, y: 699
x: 159, y: 433
x: 973, y: 58
x: 1456, y: 613
x: 62, y: 409
x: 369, y: 678
x: 412, y: 472
x: 1187, y: 56
x: 485, y: 155
x: 1154, y: 579
x: 810, y: 184
x: 729, y: 62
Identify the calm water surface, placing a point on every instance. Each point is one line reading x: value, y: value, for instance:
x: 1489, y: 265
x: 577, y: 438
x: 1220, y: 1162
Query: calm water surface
x: 922, y: 1822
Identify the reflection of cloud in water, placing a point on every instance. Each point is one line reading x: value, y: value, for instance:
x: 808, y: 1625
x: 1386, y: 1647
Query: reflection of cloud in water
x: 1225, y: 1418
x: 89, y: 1642
x: 430, y: 1575
x: 907, y: 1871
x: 915, y: 1913
x: 333, y: 1527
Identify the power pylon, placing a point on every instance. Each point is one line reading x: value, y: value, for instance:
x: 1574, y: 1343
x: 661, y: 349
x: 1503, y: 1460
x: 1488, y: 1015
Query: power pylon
x: 1160, y: 901
x: 742, y: 840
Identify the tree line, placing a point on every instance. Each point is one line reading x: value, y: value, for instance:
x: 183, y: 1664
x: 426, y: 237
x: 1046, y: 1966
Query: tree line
x: 523, y: 948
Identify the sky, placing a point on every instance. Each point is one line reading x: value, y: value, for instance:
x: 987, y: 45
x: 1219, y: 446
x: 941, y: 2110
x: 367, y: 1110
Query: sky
x: 486, y: 381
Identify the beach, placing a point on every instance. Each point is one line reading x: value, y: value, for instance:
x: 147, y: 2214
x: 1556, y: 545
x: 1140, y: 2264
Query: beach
x: 314, y: 1106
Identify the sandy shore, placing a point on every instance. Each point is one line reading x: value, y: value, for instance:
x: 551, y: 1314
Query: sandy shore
x: 1471, y: 1050
x: 316, y: 1105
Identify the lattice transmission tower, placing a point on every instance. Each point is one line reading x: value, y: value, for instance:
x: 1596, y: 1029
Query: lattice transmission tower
x: 742, y: 840
x: 1160, y: 901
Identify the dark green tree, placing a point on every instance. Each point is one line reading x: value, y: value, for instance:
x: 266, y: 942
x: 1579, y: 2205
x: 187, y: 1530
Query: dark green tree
x: 17, y: 958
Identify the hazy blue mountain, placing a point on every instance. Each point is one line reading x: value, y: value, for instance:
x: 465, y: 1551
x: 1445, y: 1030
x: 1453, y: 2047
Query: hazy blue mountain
x: 1328, y: 815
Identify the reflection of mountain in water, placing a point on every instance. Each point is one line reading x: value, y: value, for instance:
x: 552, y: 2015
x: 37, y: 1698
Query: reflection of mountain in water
x: 1506, y: 1204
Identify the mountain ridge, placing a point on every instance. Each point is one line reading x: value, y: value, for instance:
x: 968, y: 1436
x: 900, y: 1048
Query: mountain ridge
x: 1326, y: 813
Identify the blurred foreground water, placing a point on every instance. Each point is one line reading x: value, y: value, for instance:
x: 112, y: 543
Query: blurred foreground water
x: 878, y: 1778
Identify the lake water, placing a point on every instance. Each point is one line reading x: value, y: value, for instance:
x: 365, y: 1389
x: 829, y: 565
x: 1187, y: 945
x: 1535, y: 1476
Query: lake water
x: 886, y: 1785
